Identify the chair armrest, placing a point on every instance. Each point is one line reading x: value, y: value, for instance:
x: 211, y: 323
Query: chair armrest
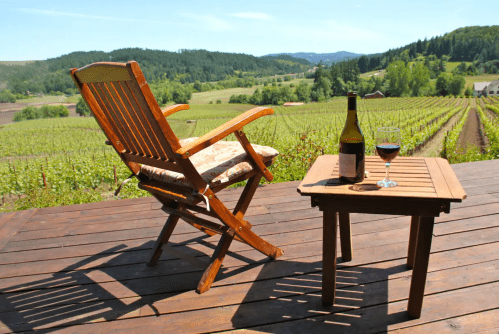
x: 173, y: 109
x: 223, y: 131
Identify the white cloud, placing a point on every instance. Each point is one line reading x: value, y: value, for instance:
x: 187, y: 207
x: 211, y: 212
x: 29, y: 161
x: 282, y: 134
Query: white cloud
x: 211, y: 22
x: 255, y: 16
x: 57, y: 13
x: 89, y: 17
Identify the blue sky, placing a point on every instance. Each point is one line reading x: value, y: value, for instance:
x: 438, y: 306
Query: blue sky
x: 37, y: 30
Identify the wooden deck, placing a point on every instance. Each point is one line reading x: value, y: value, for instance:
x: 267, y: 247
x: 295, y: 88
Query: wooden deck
x: 81, y: 269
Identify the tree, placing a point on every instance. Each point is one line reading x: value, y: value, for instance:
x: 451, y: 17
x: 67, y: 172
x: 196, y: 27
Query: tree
x: 257, y: 97
x: 442, y: 84
x: 7, y: 96
x: 398, y: 77
x: 363, y: 64
x: 468, y: 92
x: 27, y: 113
x: 419, y: 46
x: 322, y: 88
x: 242, y: 98
x: 82, y: 108
x: 197, y: 86
x: 302, y: 91
x: 455, y: 85
x: 420, y: 77
x: 338, y: 86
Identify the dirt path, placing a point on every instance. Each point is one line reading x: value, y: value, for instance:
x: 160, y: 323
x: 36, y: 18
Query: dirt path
x: 434, y: 146
x: 471, y: 132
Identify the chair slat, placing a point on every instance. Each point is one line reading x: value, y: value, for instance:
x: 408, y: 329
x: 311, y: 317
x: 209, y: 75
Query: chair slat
x: 153, y: 122
x: 127, y: 117
x: 102, y: 120
x: 147, y: 143
x: 118, y: 130
x: 141, y: 83
x: 114, y: 110
x: 146, y: 122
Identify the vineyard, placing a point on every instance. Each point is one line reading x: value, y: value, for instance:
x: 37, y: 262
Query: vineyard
x: 53, y: 162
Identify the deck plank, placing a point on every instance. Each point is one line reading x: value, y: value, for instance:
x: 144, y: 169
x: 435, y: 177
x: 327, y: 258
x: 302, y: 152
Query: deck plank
x: 12, y: 225
x: 83, y: 266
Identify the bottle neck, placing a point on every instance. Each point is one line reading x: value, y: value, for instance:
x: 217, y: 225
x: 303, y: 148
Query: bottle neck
x: 352, y: 117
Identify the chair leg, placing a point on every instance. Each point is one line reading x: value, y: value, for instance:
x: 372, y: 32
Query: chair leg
x: 215, y: 262
x: 242, y: 228
x: 246, y: 197
x: 163, y: 238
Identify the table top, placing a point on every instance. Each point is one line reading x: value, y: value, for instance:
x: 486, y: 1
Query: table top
x: 419, y: 178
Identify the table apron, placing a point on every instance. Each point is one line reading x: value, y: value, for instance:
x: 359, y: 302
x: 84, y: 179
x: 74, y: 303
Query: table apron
x: 379, y: 205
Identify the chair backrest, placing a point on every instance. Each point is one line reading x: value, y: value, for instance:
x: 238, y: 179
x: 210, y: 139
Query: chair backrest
x: 126, y: 110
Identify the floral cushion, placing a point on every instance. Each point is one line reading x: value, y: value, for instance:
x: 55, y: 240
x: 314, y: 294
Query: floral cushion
x: 217, y: 164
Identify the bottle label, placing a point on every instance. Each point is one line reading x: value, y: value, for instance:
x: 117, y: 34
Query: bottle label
x: 347, y: 165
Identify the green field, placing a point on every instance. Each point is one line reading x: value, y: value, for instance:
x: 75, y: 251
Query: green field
x: 79, y: 168
x: 46, y: 99
x: 222, y: 95
x: 470, y: 80
x: 377, y: 73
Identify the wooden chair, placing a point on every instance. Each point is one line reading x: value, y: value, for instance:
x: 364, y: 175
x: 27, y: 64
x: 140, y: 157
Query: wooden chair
x: 181, y: 174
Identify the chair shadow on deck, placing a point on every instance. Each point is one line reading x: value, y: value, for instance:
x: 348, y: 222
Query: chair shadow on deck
x: 273, y: 295
x: 294, y: 302
x: 96, y: 289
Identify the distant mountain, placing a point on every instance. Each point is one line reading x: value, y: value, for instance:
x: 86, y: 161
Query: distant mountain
x: 314, y: 58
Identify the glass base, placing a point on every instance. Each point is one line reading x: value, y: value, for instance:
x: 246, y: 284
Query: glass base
x: 387, y: 183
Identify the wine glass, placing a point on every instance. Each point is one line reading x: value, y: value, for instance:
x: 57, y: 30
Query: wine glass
x: 388, y: 147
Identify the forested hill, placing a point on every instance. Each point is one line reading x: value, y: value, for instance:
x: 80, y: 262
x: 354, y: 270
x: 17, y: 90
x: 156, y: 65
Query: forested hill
x: 192, y: 65
x: 478, y: 44
x: 183, y: 66
x: 463, y: 44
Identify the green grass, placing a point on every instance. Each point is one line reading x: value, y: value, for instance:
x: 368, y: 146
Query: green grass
x: 470, y: 80
x: 451, y: 65
x: 72, y: 99
x: 380, y: 74
x: 225, y: 94
x: 47, y: 99
x: 222, y: 95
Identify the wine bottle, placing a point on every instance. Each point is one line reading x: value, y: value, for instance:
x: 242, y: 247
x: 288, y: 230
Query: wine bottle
x: 352, y: 146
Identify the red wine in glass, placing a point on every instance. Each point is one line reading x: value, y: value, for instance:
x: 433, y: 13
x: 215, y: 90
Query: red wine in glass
x: 388, y: 141
x: 388, y: 151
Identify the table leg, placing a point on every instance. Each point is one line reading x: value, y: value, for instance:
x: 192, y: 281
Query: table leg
x: 329, y: 235
x: 423, y: 245
x: 345, y: 237
x: 413, y: 237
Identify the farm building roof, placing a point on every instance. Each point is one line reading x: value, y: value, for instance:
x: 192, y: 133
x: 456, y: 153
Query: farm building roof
x: 479, y: 86
x: 291, y: 104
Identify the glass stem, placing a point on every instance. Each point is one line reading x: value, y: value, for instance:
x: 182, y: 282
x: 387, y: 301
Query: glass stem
x: 387, y: 176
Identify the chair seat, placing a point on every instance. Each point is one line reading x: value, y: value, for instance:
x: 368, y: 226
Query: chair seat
x: 217, y: 164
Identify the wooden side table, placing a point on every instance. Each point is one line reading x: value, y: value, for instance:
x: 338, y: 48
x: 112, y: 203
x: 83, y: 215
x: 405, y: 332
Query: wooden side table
x: 426, y: 188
